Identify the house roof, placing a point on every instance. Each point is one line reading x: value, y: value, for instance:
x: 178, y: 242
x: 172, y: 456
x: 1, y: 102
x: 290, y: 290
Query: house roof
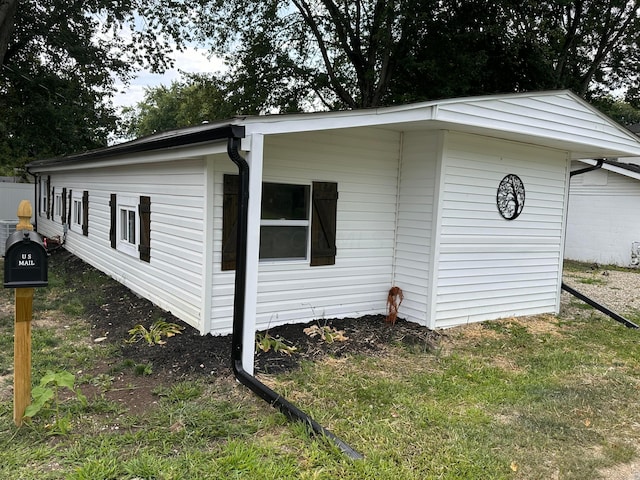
x: 556, y: 119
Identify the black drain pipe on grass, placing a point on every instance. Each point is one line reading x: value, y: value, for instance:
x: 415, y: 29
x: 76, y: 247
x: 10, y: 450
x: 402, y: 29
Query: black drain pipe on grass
x: 248, y: 380
x: 618, y: 318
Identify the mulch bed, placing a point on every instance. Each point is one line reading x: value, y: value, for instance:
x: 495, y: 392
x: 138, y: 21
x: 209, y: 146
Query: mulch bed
x: 189, y: 353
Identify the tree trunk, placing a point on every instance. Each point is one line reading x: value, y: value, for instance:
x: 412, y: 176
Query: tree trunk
x: 7, y: 18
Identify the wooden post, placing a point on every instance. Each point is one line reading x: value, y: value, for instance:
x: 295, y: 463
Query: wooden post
x: 22, y: 336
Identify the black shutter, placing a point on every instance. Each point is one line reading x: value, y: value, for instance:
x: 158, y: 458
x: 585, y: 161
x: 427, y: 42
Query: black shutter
x: 323, y: 223
x: 39, y: 199
x: 145, y: 229
x: 112, y: 230
x: 49, y: 193
x: 229, y: 221
x: 85, y: 213
x: 63, y: 214
x: 70, y: 213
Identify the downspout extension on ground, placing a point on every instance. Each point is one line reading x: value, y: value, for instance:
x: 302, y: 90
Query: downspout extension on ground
x: 248, y: 380
x: 618, y: 318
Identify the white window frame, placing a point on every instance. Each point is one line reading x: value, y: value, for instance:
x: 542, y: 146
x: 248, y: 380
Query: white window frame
x: 283, y: 222
x: 76, y: 210
x: 124, y: 243
x: 57, y: 206
x: 43, y: 195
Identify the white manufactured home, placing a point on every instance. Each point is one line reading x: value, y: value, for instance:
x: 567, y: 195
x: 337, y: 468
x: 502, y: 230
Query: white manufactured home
x: 461, y: 203
x: 603, y: 222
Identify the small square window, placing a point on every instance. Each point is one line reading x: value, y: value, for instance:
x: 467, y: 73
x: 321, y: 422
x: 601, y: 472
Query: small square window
x: 77, y: 212
x: 127, y: 225
x: 43, y: 196
x: 58, y: 205
x: 284, y: 225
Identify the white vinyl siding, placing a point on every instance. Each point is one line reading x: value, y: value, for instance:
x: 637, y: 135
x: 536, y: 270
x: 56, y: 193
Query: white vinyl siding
x: 604, y: 217
x: 489, y: 267
x: 555, y: 116
x: 420, y: 156
x: 173, y: 279
x: 364, y: 163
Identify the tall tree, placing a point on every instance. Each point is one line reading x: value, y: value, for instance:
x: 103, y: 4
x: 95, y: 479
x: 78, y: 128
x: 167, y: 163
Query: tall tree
x: 59, y: 69
x: 333, y: 54
x: 7, y: 16
x: 195, y: 99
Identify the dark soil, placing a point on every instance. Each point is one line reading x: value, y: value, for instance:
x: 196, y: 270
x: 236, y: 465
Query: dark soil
x: 116, y: 310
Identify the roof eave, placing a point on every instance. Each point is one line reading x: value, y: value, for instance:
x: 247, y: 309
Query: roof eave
x: 182, y: 138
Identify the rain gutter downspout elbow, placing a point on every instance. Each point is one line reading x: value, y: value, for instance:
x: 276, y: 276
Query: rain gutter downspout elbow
x: 598, y: 165
x: 244, y: 377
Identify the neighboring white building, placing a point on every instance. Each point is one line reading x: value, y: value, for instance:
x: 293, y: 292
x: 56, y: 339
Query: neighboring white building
x: 461, y: 203
x: 603, y: 223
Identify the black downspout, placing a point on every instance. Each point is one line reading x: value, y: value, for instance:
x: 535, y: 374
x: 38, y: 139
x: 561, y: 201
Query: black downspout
x: 598, y: 165
x: 248, y: 380
x: 618, y: 318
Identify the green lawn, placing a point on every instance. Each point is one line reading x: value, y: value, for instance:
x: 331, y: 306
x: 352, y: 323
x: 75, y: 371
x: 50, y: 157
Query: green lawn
x: 539, y: 398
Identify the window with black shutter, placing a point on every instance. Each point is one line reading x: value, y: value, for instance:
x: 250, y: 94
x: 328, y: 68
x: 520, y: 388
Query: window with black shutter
x: 285, y: 222
x: 144, y: 247
x: 48, y: 202
x: 69, y: 217
x: 85, y: 213
x: 229, y: 221
x: 323, y: 223
x: 113, y: 206
x: 63, y: 212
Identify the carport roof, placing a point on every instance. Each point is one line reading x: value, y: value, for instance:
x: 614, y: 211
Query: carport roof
x: 555, y: 119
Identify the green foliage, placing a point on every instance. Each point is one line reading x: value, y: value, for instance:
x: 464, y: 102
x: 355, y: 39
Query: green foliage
x: 143, y: 369
x: 265, y: 342
x: 155, y: 333
x: 61, y: 65
x: 288, y: 56
x: 46, y: 397
x: 195, y: 99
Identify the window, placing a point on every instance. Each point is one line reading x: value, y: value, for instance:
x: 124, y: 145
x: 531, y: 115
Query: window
x: 79, y: 211
x: 298, y: 222
x: 43, y: 195
x: 284, y: 224
x: 57, y: 209
x: 126, y: 225
x: 130, y: 230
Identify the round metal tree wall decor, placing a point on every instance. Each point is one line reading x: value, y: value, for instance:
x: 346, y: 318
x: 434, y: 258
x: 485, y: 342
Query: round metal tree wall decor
x: 510, y: 197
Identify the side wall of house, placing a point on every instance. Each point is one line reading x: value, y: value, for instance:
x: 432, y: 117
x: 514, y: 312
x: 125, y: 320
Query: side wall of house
x: 420, y: 156
x: 604, y: 218
x: 173, y: 277
x: 364, y: 163
x: 488, y: 267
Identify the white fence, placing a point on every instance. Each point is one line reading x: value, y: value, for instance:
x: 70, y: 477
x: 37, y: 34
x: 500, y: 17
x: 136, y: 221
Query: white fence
x: 11, y: 194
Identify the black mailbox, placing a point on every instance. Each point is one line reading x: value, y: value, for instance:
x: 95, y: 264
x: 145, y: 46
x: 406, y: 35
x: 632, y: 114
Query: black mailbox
x: 25, y: 261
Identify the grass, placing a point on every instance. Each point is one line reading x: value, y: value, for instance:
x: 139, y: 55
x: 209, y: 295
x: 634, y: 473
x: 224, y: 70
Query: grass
x: 538, y: 398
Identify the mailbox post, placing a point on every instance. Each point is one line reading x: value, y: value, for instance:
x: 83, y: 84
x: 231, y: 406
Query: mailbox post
x: 25, y: 267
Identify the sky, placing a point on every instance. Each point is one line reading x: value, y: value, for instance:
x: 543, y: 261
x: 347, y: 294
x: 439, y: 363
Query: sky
x: 190, y: 60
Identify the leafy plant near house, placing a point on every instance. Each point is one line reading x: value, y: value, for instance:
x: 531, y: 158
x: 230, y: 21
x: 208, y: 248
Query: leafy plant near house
x: 154, y: 334
x: 265, y: 342
x: 326, y: 333
x: 46, y: 397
